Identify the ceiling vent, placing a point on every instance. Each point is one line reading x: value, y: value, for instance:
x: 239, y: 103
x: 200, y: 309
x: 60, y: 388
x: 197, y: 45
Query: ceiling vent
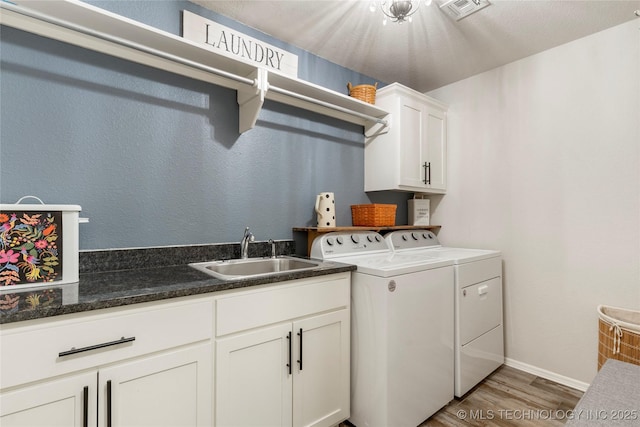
x: 459, y: 9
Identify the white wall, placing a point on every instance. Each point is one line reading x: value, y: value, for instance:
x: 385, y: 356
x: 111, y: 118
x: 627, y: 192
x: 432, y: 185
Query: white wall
x: 544, y: 164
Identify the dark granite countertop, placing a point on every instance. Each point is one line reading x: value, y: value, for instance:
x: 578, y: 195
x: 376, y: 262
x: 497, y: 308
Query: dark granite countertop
x: 104, y: 289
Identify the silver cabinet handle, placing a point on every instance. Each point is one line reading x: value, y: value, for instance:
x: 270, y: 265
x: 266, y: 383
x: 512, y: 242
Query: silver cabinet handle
x: 96, y: 346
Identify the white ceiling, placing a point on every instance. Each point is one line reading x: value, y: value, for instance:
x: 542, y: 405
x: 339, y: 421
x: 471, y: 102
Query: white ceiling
x: 433, y: 50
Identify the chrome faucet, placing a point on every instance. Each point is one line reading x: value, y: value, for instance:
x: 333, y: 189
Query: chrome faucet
x: 273, y: 248
x: 244, y: 243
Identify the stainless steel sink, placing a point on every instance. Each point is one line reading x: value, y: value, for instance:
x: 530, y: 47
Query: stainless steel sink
x: 252, y: 267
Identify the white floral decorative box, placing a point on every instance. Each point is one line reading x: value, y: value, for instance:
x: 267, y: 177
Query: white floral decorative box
x: 38, y: 245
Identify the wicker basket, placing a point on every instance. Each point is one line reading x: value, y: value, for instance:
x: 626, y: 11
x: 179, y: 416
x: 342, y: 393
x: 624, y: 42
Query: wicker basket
x: 366, y: 93
x: 373, y: 215
x: 619, y: 335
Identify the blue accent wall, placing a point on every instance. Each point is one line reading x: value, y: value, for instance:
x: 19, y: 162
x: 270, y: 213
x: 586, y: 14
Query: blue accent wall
x: 156, y: 159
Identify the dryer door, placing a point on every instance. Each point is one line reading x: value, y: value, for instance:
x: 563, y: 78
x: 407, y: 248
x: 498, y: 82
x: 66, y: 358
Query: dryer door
x: 480, y: 309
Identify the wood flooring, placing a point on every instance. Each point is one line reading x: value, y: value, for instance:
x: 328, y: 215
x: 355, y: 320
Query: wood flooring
x: 509, y: 397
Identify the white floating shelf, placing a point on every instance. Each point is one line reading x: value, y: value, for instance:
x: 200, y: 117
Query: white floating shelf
x: 87, y: 26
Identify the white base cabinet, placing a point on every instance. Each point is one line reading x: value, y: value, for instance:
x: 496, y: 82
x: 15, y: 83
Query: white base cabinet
x: 281, y: 358
x: 149, y: 377
x: 61, y: 402
x: 168, y: 390
x: 249, y: 391
x: 411, y: 153
x: 292, y: 366
x: 163, y: 390
x: 322, y: 370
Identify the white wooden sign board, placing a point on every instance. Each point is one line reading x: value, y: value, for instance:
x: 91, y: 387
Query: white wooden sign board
x: 228, y: 42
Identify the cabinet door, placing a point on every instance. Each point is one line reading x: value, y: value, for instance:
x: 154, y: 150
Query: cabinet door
x: 436, y: 148
x: 322, y: 362
x: 423, y: 145
x: 68, y: 401
x: 413, y: 143
x: 253, y: 381
x: 170, y: 389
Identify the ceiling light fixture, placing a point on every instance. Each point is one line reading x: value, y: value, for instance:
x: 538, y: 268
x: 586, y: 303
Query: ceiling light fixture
x: 397, y: 10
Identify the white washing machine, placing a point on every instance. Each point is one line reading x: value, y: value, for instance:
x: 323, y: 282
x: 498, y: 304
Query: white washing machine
x: 401, y: 329
x: 479, y: 335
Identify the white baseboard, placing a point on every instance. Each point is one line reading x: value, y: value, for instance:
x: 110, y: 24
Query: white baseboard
x: 560, y: 379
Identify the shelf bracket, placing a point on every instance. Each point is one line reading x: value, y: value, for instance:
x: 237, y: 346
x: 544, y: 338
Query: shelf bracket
x: 372, y: 129
x: 251, y: 99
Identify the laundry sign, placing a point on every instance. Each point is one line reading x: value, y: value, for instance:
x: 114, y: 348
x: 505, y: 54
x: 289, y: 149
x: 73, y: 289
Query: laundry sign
x: 228, y: 42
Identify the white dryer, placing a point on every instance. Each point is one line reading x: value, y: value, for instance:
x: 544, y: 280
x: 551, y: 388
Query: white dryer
x: 402, y: 329
x: 478, y: 325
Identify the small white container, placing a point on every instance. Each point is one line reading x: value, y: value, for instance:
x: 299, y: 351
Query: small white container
x: 418, y: 210
x: 38, y: 245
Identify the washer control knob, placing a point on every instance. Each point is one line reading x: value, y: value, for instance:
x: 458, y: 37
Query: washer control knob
x: 330, y: 241
x: 377, y: 237
x: 404, y: 237
x: 370, y: 238
x: 426, y: 236
x: 414, y: 236
x: 340, y: 240
x: 355, y: 238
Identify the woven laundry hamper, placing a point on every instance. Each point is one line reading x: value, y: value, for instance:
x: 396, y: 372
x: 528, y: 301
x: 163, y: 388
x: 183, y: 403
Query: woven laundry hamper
x: 373, y: 215
x: 619, y: 335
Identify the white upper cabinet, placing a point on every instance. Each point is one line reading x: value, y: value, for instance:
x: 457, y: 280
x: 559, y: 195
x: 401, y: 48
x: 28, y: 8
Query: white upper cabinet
x: 411, y: 153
